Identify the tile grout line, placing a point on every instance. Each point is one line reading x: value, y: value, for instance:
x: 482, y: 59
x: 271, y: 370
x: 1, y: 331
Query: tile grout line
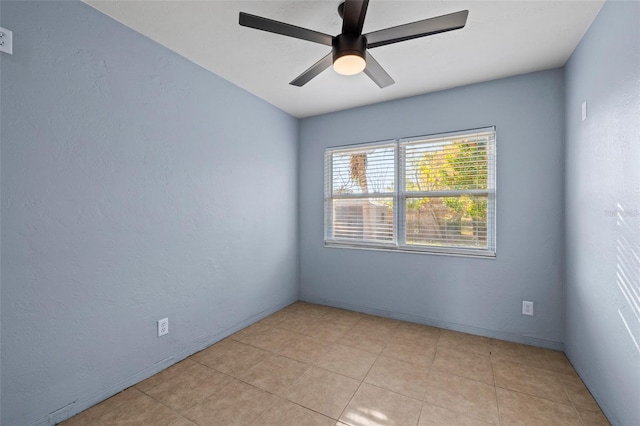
x: 465, y: 378
x: 310, y: 365
x: 364, y: 378
x: 240, y: 379
x: 277, y: 398
x: 361, y: 381
x: 538, y: 396
x: 205, y: 398
x: 566, y: 392
x: 174, y: 411
x: 232, y: 379
x: 495, y: 388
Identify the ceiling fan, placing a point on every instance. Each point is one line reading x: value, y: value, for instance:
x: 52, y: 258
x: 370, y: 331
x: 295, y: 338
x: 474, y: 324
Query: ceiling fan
x: 349, y: 50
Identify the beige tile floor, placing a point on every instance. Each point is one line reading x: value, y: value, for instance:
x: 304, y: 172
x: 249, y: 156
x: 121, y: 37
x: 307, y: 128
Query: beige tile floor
x: 314, y: 365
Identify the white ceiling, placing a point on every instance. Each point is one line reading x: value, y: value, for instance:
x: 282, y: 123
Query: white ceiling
x: 502, y: 38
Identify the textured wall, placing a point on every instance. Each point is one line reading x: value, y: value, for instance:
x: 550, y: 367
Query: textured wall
x: 603, y: 211
x: 135, y: 185
x: 478, y: 295
x: 0, y: 232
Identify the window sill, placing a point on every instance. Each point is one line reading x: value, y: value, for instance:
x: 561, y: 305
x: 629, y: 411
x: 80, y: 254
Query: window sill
x: 482, y: 254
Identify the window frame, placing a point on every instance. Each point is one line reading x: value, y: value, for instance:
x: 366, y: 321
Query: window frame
x: 400, y: 195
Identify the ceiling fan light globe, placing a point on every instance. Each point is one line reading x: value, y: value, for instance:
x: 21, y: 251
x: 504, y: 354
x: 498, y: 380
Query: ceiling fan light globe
x: 349, y: 64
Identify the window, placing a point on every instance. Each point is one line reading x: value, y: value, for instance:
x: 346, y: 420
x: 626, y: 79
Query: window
x: 426, y: 194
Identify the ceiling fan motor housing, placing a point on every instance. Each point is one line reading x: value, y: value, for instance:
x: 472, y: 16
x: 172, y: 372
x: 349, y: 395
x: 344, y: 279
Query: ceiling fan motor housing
x: 349, y: 44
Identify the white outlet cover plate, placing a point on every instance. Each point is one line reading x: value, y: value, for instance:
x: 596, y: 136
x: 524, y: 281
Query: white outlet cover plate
x: 527, y: 308
x: 6, y: 41
x: 163, y: 326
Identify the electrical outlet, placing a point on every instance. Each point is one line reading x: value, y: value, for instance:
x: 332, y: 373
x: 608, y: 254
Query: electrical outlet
x: 163, y: 326
x: 527, y: 308
x: 6, y: 41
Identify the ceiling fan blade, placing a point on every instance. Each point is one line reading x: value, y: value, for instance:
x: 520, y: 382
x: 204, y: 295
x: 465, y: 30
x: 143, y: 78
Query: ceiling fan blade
x: 376, y: 73
x: 353, y: 16
x: 313, y: 71
x: 266, y: 24
x: 440, y: 24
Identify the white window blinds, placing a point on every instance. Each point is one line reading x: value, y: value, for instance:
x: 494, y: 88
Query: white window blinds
x: 362, y: 191
x: 449, y: 191
x: 434, y: 194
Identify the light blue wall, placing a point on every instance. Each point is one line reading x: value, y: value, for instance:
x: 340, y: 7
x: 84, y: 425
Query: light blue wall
x: 477, y: 295
x: 135, y: 185
x: 123, y: 202
x: 1, y: 231
x: 603, y: 211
